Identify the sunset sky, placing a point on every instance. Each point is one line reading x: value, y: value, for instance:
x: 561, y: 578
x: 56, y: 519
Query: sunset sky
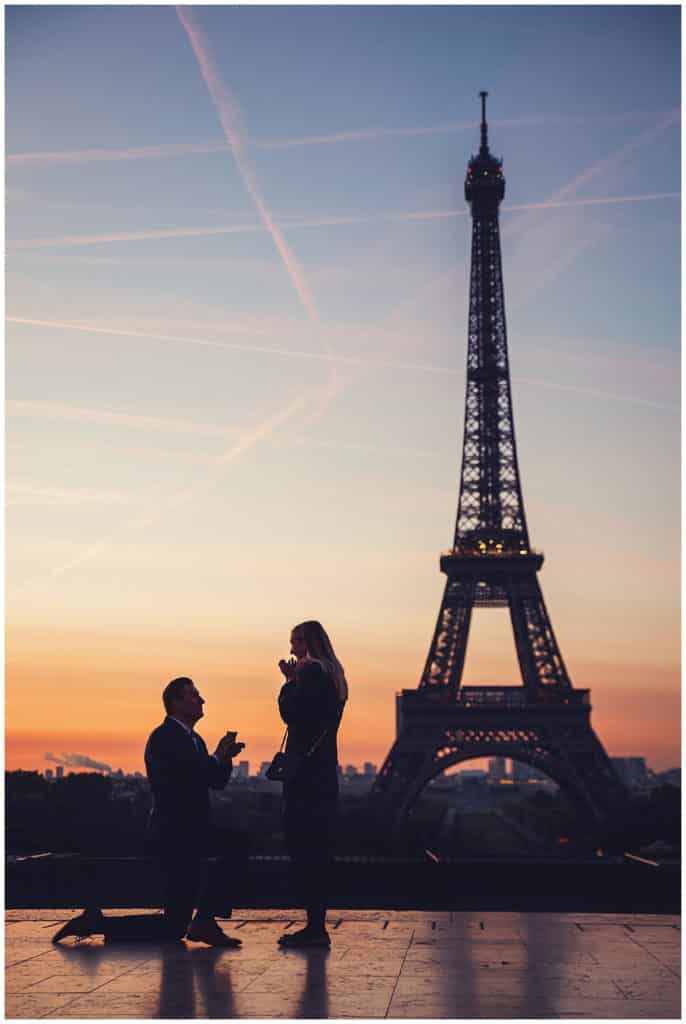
x: 237, y: 283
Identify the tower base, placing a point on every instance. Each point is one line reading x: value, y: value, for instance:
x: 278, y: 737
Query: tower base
x: 550, y: 732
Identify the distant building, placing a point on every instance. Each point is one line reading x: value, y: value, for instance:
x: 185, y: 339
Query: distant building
x: 60, y: 771
x: 243, y: 771
x: 496, y: 768
x: 632, y: 771
x: 264, y: 767
x: 370, y: 770
x: 350, y: 771
x: 48, y: 773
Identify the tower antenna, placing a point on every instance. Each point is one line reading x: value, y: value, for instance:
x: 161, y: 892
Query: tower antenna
x: 484, y: 126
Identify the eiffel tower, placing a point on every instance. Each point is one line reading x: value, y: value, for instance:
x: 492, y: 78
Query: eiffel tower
x: 545, y: 722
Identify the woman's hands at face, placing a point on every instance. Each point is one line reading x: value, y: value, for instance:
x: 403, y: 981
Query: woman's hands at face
x: 288, y: 667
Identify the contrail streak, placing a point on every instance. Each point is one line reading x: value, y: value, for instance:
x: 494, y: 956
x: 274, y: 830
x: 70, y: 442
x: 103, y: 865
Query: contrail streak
x: 319, y: 222
x: 135, y: 236
x: 559, y: 198
x: 26, y: 408
x: 22, y: 493
x: 181, y: 149
x: 230, y: 117
x: 227, y: 345
x: 611, y: 162
x: 244, y: 443
x: 87, y: 156
x: 107, y: 418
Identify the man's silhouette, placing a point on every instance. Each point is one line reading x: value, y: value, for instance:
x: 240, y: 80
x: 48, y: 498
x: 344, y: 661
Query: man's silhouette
x: 181, y: 774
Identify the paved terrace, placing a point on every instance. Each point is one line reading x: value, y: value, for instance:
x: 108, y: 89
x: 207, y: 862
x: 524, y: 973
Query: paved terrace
x: 382, y: 964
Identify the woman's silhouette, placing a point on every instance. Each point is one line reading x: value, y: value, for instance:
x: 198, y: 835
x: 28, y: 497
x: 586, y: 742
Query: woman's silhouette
x: 311, y: 704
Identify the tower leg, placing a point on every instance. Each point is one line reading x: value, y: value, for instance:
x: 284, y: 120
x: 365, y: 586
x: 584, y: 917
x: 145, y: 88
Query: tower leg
x: 445, y: 663
x: 539, y: 656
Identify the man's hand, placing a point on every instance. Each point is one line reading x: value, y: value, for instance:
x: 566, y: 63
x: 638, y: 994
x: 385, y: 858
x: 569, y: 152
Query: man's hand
x: 228, y: 748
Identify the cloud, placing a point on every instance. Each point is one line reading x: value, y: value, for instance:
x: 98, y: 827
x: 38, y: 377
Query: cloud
x: 78, y: 761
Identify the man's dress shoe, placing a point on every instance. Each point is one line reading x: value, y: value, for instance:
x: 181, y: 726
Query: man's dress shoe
x: 211, y: 933
x: 90, y: 922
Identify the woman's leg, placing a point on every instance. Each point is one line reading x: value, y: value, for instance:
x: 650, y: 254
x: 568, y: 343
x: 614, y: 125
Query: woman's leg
x: 322, y: 818
x: 308, y: 829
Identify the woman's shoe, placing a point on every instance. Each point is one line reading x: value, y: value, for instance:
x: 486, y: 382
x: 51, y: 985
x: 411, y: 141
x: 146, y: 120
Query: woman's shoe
x: 306, y: 937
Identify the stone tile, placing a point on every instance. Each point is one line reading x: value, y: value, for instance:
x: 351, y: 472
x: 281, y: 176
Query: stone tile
x: 290, y: 966
x: 33, y: 1005
x: 142, y: 982
x: 653, y: 972
x: 655, y: 990
x: 388, y: 967
x: 74, y: 982
x: 493, y: 984
x: 339, y: 985
x: 93, y: 1007
x: 468, y: 1009
x: 310, y: 1005
x: 24, y: 976
x: 613, y: 1009
x: 17, y: 954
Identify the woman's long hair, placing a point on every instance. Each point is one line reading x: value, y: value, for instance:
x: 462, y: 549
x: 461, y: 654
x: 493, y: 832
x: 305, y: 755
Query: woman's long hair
x: 320, y: 647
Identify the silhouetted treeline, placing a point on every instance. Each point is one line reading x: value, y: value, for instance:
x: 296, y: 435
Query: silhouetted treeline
x: 651, y: 817
x: 84, y: 812
x: 104, y: 815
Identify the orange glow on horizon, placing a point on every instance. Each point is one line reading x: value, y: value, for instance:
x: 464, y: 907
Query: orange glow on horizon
x: 104, y: 700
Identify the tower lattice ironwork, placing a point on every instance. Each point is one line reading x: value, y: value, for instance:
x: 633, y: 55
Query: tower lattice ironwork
x: 545, y: 722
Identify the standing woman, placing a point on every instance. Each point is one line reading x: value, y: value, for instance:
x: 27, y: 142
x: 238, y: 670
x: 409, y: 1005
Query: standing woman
x: 311, y: 704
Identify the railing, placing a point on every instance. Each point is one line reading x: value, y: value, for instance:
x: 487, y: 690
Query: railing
x: 490, y: 552
x: 507, y: 697
x: 518, y: 697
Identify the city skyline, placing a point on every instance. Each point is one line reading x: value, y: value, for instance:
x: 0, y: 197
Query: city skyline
x: 634, y: 771
x: 236, y: 346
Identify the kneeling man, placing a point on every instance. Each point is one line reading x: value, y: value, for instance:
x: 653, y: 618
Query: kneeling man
x: 181, y: 774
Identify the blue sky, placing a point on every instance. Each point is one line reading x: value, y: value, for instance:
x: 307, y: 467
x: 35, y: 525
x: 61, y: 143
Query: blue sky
x: 213, y: 434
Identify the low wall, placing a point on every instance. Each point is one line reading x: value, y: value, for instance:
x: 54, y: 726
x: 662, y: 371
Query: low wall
x: 603, y: 885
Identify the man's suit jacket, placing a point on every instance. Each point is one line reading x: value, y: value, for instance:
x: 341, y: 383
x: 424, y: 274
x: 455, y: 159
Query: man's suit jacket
x: 181, y: 777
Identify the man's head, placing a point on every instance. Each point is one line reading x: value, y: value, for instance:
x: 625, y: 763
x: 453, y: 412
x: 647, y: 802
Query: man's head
x: 182, y: 700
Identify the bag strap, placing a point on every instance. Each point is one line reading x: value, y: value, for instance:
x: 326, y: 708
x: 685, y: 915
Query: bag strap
x: 283, y: 741
x: 317, y: 742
